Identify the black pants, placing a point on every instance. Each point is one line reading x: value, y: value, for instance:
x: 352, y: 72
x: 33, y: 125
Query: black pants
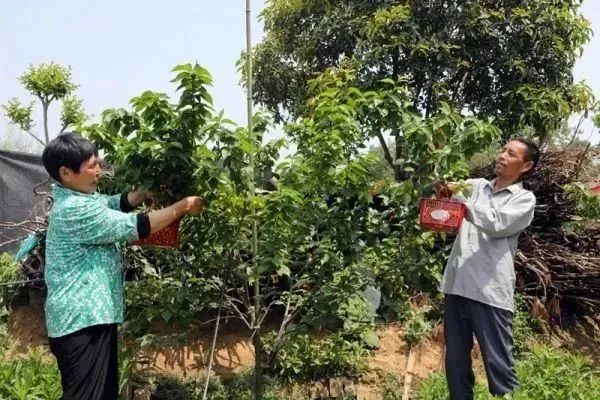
x: 493, y: 329
x: 88, y: 363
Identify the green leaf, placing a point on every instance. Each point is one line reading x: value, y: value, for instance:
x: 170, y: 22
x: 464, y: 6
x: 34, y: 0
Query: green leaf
x: 388, y: 81
x: 182, y: 67
x: 370, y: 339
x: 176, y: 144
x: 283, y: 270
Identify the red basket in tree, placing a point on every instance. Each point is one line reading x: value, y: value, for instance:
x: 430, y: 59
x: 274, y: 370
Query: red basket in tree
x: 167, y: 237
x: 441, y: 215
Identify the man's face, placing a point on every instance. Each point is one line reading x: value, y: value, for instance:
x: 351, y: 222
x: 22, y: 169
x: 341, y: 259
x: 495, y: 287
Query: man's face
x: 511, y: 162
x: 86, y: 180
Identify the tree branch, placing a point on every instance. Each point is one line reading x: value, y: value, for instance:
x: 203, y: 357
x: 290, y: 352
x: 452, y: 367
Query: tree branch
x: 459, y: 91
x: 40, y: 141
x: 578, y: 170
x: 576, y: 131
x: 241, y: 315
x: 12, y: 241
x: 23, y: 225
x: 36, y: 187
x: 386, y: 149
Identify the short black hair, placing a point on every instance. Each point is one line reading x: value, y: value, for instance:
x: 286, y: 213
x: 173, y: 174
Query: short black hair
x: 532, y: 151
x: 67, y: 150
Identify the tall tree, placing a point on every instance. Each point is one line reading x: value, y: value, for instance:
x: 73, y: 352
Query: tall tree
x: 508, y: 59
x: 48, y: 83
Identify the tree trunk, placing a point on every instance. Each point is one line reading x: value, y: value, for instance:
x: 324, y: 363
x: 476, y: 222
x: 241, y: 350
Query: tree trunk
x: 45, y: 105
x: 399, y: 174
x: 396, y: 62
x: 257, y: 392
x: 408, y: 376
x: 256, y: 321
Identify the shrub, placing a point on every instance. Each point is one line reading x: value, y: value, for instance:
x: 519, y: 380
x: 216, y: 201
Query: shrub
x: 235, y: 387
x: 29, y: 377
x: 302, y: 357
x: 545, y: 373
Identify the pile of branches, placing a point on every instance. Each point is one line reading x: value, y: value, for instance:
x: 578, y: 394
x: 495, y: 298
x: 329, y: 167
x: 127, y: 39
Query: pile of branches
x: 558, y: 269
x: 32, y: 266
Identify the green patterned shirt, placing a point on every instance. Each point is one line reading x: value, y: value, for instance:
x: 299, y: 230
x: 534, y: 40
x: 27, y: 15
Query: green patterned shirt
x: 83, y: 261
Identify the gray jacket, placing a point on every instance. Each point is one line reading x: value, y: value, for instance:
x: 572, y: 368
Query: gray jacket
x: 481, y: 265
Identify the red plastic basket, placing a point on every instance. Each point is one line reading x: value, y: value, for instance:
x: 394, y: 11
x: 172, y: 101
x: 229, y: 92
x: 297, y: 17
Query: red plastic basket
x: 441, y: 215
x: 167, y: 237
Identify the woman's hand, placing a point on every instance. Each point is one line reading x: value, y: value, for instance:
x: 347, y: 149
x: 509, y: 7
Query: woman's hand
x: 159, y: 219
x: 194, y: 205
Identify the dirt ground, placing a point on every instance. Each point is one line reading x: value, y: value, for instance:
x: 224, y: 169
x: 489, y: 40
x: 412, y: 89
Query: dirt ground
x: 27, y: 327
x: 235, y: 353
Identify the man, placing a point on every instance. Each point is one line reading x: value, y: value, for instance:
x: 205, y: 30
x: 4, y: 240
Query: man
x: 479, y: 279
x: 83, y: 273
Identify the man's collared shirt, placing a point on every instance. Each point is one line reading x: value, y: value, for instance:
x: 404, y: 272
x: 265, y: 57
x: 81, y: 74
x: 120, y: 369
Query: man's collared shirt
x: 83, y: 271
x: 481, y: 264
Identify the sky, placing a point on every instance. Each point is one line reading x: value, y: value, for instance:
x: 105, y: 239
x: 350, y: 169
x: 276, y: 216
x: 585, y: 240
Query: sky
x: 117, y: 49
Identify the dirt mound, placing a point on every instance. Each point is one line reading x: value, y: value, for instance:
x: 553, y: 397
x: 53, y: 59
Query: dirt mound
x: 235, y: 353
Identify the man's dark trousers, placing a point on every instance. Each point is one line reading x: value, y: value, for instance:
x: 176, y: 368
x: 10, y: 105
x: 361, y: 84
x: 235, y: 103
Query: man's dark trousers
x: 492, y: 327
